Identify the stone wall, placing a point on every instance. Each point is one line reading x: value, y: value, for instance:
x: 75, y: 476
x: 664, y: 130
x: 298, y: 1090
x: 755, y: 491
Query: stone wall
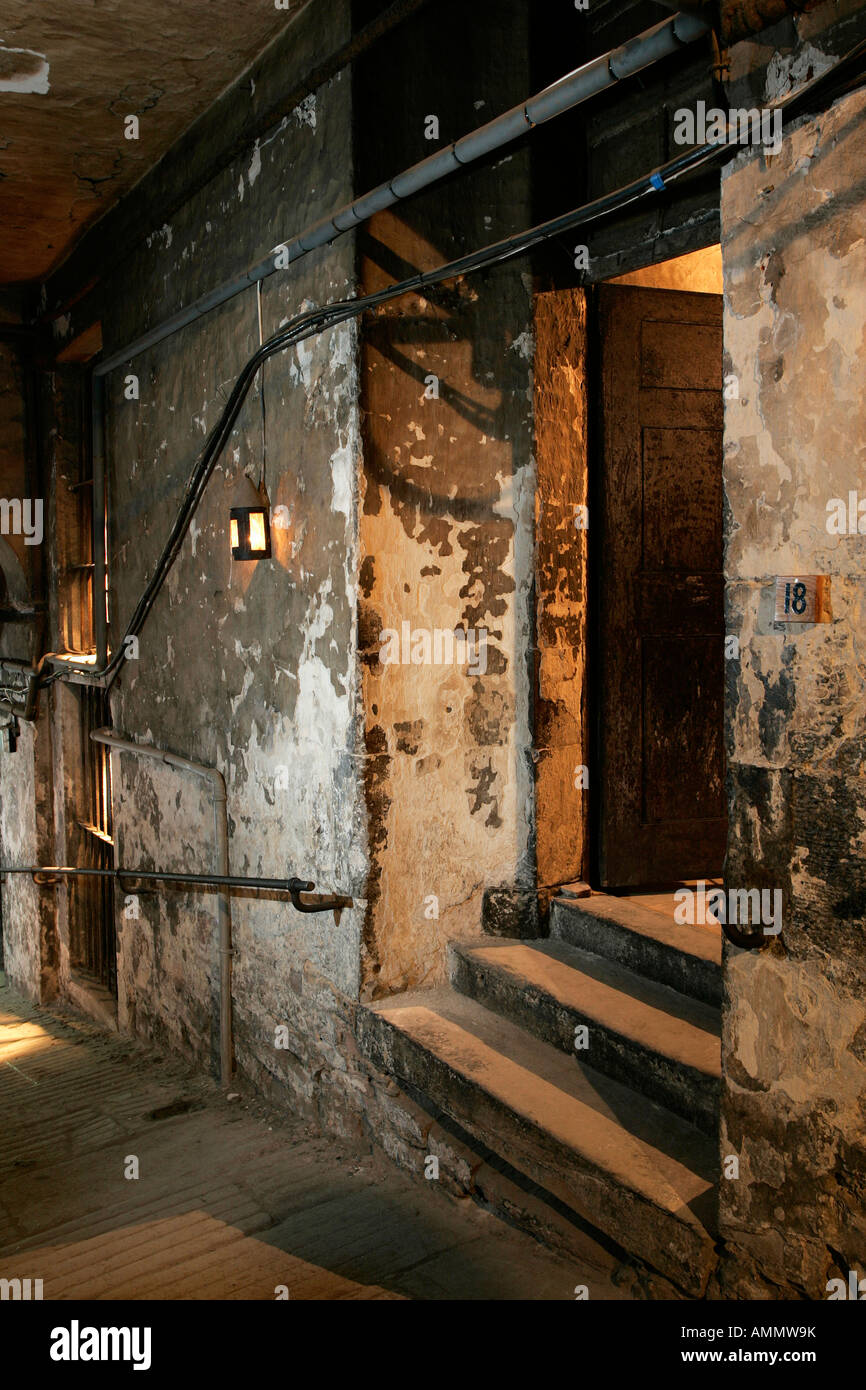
x: 448, y: 510
x: 794, y: 1043
x: 250, y: 668
x: 15, y: 555
x: 400, y: 454
x: 26, y: 795
x: 25, y: 778
x: 561, y: 745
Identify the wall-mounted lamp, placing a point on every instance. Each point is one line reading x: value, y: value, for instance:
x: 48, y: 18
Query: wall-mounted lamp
x: 250, y: 526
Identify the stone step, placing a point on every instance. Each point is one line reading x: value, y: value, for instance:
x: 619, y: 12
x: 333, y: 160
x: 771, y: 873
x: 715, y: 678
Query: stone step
x: 663, y: 1044
x: 652, y: 944
x: 637, y: 1173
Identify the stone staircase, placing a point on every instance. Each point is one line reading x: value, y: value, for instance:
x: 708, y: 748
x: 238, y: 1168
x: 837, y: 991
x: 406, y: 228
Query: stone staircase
x: 621, y: 1130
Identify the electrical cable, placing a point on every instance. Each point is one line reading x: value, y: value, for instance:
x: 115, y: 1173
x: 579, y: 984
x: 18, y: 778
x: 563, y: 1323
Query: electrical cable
x: 314, y: 321
x: 263, y: 484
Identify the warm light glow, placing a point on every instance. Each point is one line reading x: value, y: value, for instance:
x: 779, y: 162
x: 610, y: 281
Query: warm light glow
x: 19, y: 1038
x: 250, y: 532
x: 698, y: 271
x: 257, y: 531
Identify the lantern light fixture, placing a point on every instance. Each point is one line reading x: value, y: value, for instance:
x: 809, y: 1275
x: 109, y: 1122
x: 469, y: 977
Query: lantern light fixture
x: 249, y: 522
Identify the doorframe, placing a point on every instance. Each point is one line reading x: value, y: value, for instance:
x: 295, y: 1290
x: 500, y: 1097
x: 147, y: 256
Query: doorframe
x: 594, y: 465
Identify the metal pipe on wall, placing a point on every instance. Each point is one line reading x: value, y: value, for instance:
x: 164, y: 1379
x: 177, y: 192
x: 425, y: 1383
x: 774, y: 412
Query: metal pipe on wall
x: 100, y: 517
x: 646, y: 48
x: 258, y: 129
x: 221, y: 866
x: 844, y: 74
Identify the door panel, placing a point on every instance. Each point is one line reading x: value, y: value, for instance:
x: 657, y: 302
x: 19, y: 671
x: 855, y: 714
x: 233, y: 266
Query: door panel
x: 660, y: 671
x: 682, y: 721
x: 682, y: 536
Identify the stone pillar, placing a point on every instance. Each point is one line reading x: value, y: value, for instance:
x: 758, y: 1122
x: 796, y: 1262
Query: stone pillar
x: 794, y: 1043
x: 447, y: 519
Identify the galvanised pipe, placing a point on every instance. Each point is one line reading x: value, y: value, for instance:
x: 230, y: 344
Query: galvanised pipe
x: 100, y: 517
x: 605, y: 71
x: 637, y: 53
x: 313, y: 321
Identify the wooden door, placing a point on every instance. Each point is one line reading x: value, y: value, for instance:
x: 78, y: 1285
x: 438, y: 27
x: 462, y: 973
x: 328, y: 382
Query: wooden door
x: 660, y: 669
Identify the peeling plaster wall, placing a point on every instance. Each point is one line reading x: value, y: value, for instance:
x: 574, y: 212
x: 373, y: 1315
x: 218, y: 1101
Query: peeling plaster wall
x: 448, y: 514
x: 15, y: 556
x: 794, y: 1041
x: 29, y: 952
x: 248, y: 668
x: 27, y: 911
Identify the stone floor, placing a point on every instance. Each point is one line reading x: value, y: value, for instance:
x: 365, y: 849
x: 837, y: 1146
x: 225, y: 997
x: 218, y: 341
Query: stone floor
x: 231, y: 1201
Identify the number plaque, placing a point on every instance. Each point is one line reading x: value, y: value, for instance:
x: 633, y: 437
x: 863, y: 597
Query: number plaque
x: 803, y: 598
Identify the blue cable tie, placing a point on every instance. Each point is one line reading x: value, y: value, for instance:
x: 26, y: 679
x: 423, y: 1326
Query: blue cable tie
x: 657, y: 182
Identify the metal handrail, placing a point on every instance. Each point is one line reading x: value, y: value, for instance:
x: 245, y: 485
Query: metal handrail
x: 51, y: 873
x: 747, y: 941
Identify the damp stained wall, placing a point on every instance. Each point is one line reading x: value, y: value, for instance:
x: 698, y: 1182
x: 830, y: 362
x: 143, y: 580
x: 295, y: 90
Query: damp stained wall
x: 25, y: 837
x: 247, y: 668
x: 448, y: 511
x: 28, y: 955
x: 15, y: 555
x: 794, y: 1031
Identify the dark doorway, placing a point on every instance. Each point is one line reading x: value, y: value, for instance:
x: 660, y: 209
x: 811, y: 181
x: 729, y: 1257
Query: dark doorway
x: 92, y: 932
x: 659, y: 666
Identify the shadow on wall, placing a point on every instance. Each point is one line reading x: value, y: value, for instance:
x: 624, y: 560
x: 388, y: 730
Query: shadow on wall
x: 446, y: 541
